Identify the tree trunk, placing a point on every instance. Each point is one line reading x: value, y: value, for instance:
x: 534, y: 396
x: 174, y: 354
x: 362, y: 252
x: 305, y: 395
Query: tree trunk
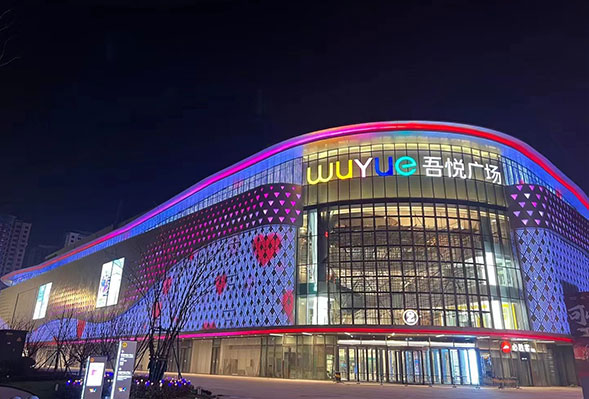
x: 157, y: 368
x: 177, y: 358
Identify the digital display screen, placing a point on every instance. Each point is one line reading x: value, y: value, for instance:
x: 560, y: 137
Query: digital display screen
x: 95, y: 374
x: 42, y: 301
x: 110, y: 283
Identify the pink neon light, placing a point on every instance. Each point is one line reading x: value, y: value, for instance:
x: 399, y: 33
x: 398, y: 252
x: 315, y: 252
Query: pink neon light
x: 501, y: 334
x: 506, y: 334
x: 374, y: 127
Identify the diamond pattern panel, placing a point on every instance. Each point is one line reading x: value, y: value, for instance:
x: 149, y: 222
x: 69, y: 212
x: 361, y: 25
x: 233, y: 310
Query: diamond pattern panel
x: 251, y: 287
x: 547, y: 261
x: 267, y: 204
x: 250, y: 242
x: 249, y: 282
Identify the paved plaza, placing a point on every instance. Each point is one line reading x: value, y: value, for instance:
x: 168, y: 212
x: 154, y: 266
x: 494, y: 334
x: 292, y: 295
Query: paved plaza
x: 267, y: 388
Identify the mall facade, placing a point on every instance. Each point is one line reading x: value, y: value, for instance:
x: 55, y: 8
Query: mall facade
x: 403, y: 252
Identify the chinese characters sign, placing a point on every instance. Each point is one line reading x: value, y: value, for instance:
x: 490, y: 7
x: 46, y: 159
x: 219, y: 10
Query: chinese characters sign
x: 578, y: 317
x: 578, y: 314
x: 404, y: 166
x: 453, y: 167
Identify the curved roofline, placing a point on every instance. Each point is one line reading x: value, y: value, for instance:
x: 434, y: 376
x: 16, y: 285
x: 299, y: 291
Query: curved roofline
x: 335, y: 132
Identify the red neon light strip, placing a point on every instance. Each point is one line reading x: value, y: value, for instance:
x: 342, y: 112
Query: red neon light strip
x: 375, y: 127
x: 508, y: 334
x: 505, y: 334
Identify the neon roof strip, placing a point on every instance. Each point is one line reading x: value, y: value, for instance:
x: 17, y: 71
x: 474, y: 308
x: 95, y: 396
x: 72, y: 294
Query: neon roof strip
x: 341, y: 131
x: 498, y: 334
x: 278, y: 331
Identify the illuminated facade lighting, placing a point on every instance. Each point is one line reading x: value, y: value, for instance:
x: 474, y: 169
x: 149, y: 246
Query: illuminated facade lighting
x: 458, y: 241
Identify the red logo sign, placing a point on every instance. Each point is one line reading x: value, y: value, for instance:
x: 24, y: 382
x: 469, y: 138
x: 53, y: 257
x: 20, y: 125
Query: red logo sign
x: 505, y: 347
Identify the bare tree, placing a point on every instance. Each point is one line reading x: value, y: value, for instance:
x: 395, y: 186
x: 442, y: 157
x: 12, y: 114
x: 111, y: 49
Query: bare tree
x: 169, y: 302
x: 83, y: 347
x: 6, y: 22
x: 106, y: 335
x: 61, y: 334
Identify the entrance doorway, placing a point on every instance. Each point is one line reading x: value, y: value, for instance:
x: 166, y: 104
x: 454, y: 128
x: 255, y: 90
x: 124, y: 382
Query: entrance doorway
x: 458, y: 366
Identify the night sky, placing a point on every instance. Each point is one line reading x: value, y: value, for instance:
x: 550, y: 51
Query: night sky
x: 113, y: 108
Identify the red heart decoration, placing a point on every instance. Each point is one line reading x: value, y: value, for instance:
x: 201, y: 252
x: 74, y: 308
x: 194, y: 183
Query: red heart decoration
x: 80, y: 328
x: 156, y: 310
x: 167, y: 285
x: 266, y: 247
x: 220, y: 283
x: 288, y: 305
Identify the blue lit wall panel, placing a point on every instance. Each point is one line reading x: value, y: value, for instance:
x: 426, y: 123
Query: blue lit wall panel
x: 548, y: 262
x: 250, y: 282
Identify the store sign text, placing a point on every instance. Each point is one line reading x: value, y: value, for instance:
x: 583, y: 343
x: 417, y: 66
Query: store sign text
x: 507, y: 347
x: 403, y: 166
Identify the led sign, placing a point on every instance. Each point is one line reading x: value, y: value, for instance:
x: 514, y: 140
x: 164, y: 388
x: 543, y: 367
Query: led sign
x: 42, y: 301
x: 94, y: 377
x: 507, y: 347
x: 404, y: 166
x: 519, y: 347
x: 110, y: 283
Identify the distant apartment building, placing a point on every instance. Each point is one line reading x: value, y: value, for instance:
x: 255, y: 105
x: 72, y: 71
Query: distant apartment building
x: 14, y: 238
x: 39, y: 253
x: 73, y: 237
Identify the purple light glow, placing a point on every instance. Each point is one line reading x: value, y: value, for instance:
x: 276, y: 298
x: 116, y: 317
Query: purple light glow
x: 374, y: 127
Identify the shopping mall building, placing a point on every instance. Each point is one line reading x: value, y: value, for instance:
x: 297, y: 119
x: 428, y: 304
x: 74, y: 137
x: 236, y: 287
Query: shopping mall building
x: 407, y: 252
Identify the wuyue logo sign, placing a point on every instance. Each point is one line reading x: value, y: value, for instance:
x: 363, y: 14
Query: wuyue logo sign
x: 403, y: 166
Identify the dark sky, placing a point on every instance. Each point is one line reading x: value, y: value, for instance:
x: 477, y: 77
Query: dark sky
x: 114, y: 105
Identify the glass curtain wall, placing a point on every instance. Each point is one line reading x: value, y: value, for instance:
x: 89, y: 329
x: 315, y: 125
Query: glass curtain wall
x: 298, y: 356
x: 371, y: 247
x: 452, y: 263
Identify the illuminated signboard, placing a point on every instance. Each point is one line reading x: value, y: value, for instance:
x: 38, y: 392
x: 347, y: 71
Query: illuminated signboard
x: 94, y: 377
x: 95, y: 374
x: 522, y: 347
x: 405, y: 166
x: 123, y: 377
x: 410, y: 317
x: 110, y: 283
x: 42, y: 301
x: 505, y: 347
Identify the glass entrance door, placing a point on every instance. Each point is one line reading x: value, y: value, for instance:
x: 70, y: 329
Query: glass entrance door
x: 409, y: 366
x: 371, y: 361
x: 393, y: 373
x: 365, y: 364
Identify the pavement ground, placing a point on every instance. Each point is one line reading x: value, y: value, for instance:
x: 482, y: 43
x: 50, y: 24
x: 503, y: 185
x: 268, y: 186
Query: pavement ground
x: 232, y: 387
